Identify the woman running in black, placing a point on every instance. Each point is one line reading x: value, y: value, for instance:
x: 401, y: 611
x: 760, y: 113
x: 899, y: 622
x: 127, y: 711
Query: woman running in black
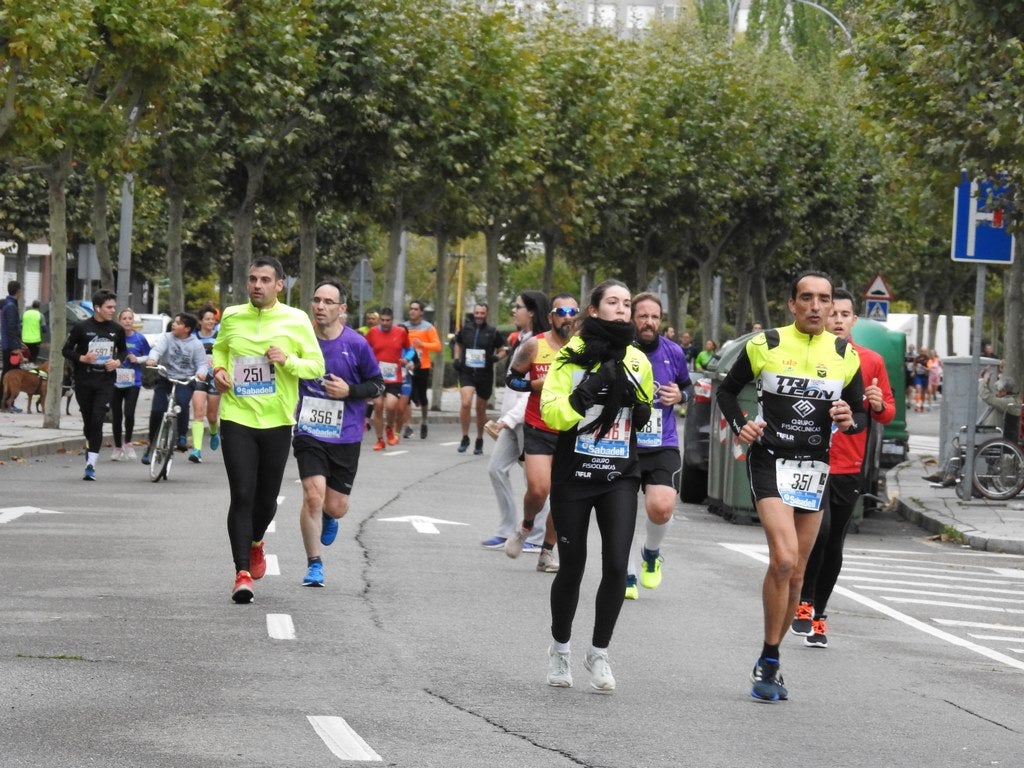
x: 597, y: 393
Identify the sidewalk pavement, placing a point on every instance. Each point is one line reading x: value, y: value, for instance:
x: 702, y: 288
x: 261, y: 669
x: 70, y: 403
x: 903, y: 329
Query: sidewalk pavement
x: 994, y: 526
x: 22, y: 435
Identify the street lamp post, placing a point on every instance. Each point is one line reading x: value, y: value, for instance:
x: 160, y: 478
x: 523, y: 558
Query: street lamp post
x: 827, y: 12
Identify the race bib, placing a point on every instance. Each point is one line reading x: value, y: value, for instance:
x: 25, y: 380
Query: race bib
x: 801, y: 483
x: 475, y: 358
x: 650, y: 435
x: 104, y: 349
x: 124, y: 377
x: 253, y: 376
x: 320, y: 417
x: 615, y: 444
x: 389, y: 372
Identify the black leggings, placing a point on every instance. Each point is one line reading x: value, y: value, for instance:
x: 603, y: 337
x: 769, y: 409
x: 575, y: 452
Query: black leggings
x: 615, y: 505
x: 123, y: 402
x: 93, y: 392
x: 826, y: 558
x: 255, y: 460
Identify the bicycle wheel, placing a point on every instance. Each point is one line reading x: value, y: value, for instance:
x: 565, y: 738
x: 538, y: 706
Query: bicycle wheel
x: 998, y: 470
x: 160, y: 459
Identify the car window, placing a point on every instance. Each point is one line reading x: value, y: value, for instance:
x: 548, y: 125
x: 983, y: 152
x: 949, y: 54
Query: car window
x: 153, y: 325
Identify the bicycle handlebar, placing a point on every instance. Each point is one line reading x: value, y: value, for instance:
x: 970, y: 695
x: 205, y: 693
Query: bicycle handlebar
x: 162, y: 370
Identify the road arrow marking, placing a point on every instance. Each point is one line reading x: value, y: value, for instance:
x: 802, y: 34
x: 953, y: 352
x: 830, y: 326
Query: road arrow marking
x: 280, y: 626
x: 13, y: 513
x: 421, y: 524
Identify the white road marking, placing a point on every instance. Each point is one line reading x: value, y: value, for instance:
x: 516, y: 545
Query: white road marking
x: 280, y: 626
x: 7, y: 514
x: 944, y: 604
x: 445, y: 445
x: 393, y: 453
x: 976, y: 625
x: 938, y: 577
x: 339, y: 737
x: 272, y: 528
x: 759, y: 552
x: 420, y: 523
x: 986, y: 590
x: 273, y: 569
x: 978, y: 598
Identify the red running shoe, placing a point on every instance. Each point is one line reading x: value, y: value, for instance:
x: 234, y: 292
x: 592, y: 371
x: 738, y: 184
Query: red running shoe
x: 242, y: 592
x: 392, y: 437
x: 257, y: 562
x: 379, y: 445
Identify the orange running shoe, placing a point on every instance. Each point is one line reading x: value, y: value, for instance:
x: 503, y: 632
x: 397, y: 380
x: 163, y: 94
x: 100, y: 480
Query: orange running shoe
x: 257, y: 562
x: 242, y: 591
x: 379, y: 445
x: 392, y: 437
x: 802, y: 623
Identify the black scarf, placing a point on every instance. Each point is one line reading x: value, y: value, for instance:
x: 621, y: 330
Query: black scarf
x: 605, y: 343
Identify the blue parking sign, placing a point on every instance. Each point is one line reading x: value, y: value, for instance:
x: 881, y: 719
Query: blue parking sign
x: 979, y: 228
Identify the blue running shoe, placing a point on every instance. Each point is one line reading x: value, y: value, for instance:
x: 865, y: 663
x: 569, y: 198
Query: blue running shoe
x: 196, y: 457
x: 145, y: 458
x: 314, y: 575
x: 90, y: 472
x: 495, y: 542
x: 182, y: 443
x: 767, y: 680
x: 215, y: 441
x: 328, y: 530
x: 535, y: 548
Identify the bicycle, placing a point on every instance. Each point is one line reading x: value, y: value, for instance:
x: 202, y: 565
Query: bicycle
x: 162, y: 450
x: 998, y: 464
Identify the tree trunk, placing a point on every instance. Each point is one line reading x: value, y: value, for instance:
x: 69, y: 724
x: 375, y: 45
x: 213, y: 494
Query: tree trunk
x: 307, y: 255
x: 58, y: 173
x: 744, y: 287
x: 673, y: 316
x: 441, y: 319
x: 21, y: 269
x: 548, y: 276
x: 243, y: 227
x: 101, y: 234
x: 762, y: 312
x: 492, y: 240
x: 398, y: 224
x: 706, y: 273
x: 175, y: 218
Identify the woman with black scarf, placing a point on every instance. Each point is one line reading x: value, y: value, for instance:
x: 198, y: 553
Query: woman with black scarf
x: 597, y: 393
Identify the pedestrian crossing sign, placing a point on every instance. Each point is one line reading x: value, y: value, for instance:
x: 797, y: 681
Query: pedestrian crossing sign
x: 878, y: 310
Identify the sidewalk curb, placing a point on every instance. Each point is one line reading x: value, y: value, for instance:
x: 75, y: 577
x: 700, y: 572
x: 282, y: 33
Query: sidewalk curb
x: 43, y: 448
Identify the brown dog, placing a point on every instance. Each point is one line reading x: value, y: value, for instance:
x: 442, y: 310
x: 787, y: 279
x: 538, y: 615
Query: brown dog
x: 31, y: 382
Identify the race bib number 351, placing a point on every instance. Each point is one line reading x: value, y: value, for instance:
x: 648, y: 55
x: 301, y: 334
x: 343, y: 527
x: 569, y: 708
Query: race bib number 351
x: 801, y: 483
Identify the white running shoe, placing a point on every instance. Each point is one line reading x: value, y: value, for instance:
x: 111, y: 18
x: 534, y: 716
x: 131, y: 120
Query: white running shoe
x: 600, y: 671
x: 559, y: 674
x: 129, y: 452
x: 547, y: 563
x: 117, y: 454
x: 514, y: 543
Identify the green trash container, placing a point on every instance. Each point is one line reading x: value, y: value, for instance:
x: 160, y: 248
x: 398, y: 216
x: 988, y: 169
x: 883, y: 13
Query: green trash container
x: 728, y: 486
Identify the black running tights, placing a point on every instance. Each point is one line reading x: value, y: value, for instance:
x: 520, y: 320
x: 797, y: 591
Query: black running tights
x: 826, y: 558
x: 122, y: 408
x: 93, y: 392
x: 255, y: 460
x: 615, y: 505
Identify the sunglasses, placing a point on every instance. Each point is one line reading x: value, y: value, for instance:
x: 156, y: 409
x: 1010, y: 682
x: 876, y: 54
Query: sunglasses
x: 565, y: 311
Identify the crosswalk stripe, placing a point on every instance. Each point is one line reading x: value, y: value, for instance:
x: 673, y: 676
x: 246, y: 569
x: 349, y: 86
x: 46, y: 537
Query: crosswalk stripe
x: 977, y: 598
x: 280, y: 626
x: 341, y: 739
x: 273, y: 568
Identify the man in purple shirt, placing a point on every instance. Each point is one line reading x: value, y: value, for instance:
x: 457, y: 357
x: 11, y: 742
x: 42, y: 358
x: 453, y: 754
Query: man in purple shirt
x: 329, y: 424
x: 658, y: 442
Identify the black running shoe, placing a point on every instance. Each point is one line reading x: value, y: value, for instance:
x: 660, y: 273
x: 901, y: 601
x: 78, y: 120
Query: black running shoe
x: 478, y: 448
x: 767, y: 680
x: 802, y: 623
x: 818, y: 638
x: 464, y: 444
x: 407, y: 432
x: 423, y: 431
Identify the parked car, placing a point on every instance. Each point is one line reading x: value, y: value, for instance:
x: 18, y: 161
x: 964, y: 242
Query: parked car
x: 152, y: 325
x: 74, y: 313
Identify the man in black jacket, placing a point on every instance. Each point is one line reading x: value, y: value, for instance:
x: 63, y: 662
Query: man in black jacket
x: 477, y: 348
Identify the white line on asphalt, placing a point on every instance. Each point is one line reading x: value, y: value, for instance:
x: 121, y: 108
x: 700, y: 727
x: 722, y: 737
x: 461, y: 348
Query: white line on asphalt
x: 979, y: 567
x: 976, y: 625
x: 445, y: 445
x: 272, y: 528
x: 981, y: 598
x: 987, y: 590
x: 280, y: 500
x: 944, y: 604
x: 937, y: 577
x: 280, y: 626
x: 273, y: 569
x: 394, y: 453
x: 339, y: 737
x: 7, y: 514
x: 951, y: 553
x: 891, y: 612
x: 1001, y: 638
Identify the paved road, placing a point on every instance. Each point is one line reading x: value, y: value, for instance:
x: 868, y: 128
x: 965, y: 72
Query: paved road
x: 121, y: 647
